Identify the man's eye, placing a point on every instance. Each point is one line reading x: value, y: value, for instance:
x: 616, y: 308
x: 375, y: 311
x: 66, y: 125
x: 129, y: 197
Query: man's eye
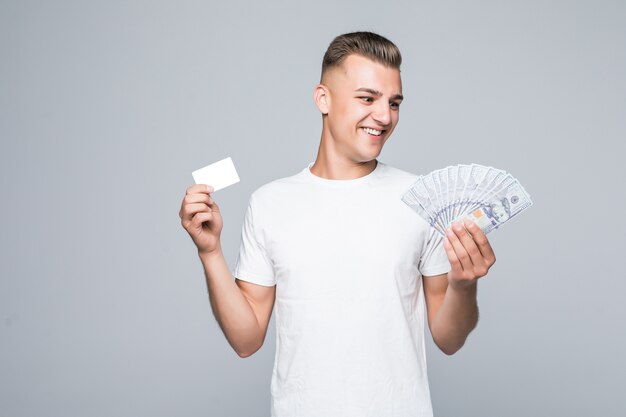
x: 367, y: 99
x: 395, y: 106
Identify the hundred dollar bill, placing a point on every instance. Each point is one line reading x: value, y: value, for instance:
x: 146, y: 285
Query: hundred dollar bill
x: 453, y: 179
x: 434, y: 201
x: 461, y: 187
x: 417, y: 198
x: 473, y: 191
x: 500, y: 207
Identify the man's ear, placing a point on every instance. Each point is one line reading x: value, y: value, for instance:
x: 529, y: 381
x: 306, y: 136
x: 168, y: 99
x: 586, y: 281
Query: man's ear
x: 322, y: 98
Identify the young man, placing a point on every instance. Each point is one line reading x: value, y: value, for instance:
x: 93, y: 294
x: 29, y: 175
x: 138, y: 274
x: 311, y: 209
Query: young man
x: 343, y: 259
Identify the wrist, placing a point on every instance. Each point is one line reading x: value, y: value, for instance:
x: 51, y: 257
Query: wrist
x: 463, y: 287
x: 210, y: 255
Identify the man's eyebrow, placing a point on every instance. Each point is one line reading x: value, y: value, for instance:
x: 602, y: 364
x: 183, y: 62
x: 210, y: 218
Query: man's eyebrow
x: 378, y: 93
x: 370, y: 90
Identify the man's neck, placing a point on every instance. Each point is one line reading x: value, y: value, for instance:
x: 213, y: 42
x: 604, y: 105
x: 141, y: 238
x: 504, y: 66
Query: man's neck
x: 341, y: 169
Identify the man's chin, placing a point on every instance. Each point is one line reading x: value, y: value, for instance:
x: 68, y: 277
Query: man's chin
x: 374, y: 154
x: 364, y: 159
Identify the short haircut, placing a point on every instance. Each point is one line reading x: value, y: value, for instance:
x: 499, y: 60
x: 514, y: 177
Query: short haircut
x: 367, y: 44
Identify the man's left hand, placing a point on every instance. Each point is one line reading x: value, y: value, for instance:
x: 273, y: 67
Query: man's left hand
x: 469, y: 253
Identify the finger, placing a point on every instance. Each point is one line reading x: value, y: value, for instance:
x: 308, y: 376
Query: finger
x: 213, y: 205
x: 459, y: 250
x: 199, y: 188
x: 198, y: 198
x: 454, y: 260
x: 201, y: 217
x: 468, y: 243
x: 481, y: 240
x: 189, y: 210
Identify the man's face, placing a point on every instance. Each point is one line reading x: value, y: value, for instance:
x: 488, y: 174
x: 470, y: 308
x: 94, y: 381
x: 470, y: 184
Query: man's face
x: 363, y: 107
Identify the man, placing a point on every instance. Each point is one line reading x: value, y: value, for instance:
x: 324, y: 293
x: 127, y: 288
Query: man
x: 344, y: 259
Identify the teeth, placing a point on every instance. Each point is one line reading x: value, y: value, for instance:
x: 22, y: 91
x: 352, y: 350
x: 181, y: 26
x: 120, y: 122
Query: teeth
x: 373, y: 131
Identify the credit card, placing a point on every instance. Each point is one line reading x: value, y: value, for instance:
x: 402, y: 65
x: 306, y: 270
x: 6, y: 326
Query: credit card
x: 218, y: 175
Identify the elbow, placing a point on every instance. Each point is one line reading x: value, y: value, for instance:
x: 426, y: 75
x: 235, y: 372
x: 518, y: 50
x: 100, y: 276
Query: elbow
x: 450, y: 350
x: 249, y: 344
x: 450, y: 344
x: 245, y: 353
x: 450, y: 347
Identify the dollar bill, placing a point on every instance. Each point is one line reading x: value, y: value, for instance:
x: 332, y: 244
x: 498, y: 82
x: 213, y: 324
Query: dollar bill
x: 485, y: 195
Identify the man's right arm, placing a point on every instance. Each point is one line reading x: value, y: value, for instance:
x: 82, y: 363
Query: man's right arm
x: 242, y: 310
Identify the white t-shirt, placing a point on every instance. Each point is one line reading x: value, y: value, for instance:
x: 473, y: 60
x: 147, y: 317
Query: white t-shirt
x: 347, y: 258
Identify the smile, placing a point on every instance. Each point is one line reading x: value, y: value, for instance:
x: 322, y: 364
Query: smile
x: 373, y: 132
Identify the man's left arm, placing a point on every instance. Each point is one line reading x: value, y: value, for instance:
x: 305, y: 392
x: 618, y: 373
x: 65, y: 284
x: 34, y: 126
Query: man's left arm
x: 451, y: 298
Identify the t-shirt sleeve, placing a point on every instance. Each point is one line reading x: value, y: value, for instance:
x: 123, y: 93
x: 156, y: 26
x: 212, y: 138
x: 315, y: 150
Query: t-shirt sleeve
x: 253, y: 263
x: 434, y: 260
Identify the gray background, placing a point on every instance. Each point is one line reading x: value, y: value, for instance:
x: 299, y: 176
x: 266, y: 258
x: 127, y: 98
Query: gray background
x: 107, y: 107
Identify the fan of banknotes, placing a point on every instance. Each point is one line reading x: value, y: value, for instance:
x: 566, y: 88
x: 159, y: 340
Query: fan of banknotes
x: 488, y: 196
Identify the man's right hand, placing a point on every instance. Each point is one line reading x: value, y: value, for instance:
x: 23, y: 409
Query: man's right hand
x: 201, y: 218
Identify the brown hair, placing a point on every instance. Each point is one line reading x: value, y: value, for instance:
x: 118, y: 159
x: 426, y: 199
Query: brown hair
x: 370, y: 45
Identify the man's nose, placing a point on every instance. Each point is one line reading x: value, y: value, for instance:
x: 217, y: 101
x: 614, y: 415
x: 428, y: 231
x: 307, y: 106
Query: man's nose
x: 382, y: 113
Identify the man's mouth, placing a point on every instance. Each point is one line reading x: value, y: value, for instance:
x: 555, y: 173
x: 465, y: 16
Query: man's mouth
x: 373, y: 132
